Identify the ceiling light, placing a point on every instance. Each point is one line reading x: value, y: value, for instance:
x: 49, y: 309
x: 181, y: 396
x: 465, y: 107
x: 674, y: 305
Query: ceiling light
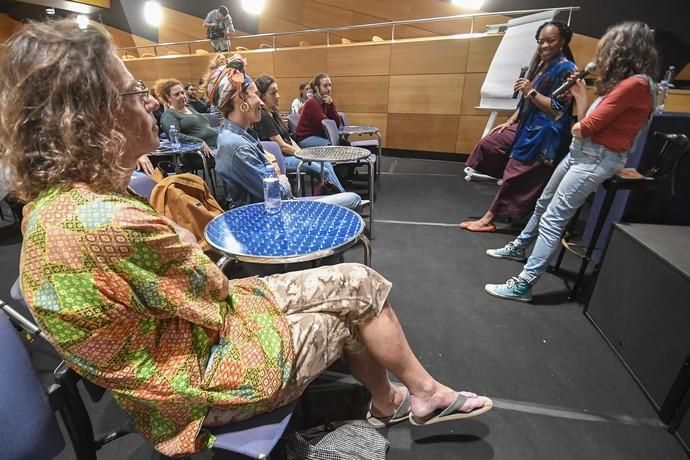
x: 83, y: 21
x: 468, y: 4
x: 50, y: 11
x: 253, y: 6
x: 152, y: 13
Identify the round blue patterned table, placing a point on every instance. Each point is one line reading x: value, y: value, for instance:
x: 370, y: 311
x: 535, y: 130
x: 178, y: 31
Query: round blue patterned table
x: 302, y: 231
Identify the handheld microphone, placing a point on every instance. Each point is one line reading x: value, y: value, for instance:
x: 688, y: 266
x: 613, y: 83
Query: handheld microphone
x: 578, y: 76
x: 523, y: 72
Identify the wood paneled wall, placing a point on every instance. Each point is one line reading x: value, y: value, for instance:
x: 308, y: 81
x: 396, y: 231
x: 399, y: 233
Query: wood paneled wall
x: 421, y: 93
x: 7, y: 27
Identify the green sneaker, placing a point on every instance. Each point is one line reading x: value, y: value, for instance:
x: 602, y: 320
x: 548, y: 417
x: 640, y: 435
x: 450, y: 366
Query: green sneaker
x: 509, y: 251
x: 514, y: 289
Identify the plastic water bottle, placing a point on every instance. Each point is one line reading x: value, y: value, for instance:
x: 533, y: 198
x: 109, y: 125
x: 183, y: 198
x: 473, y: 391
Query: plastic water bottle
x: 271, y: 191
x: 174, y: 135
x: 663, y: 88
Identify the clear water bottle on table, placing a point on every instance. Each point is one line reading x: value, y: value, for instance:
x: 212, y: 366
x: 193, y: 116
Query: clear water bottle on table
x: 174, y: 135
x: 271, y: 191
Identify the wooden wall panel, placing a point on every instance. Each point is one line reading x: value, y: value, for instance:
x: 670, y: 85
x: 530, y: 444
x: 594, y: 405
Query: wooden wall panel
x: 177, y: 26
x: 433, y: 56
x: 361, y: 94
x: 126, y: 40
x: 471, y: 93
x: 142, y: 69
x: 419, y: 131
x: 584, y: 48
x: 678, y: 101
x: 684, y: 74
x: 369, y: 59
x: 471, y: 128
x: 439, y: 94
x: 174, y: 67
x: 287, y: 10
x: 481, y: 52
x: 288, y: 88
x: 299, y: 61
x: 8, y: 26
x: 259, y: 62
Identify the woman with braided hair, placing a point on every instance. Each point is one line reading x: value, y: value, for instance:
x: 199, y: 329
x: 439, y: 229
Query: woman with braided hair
x: 524, y: 149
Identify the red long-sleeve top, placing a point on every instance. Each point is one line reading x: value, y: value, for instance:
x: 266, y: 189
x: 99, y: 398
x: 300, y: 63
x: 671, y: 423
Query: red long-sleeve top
x: 614, y: 123
x: 313, y: 112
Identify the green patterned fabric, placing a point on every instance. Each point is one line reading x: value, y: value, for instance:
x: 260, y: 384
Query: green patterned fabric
x: 134, y: 309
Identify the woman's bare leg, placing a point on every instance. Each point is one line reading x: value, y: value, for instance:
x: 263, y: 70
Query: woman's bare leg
x: 385, y: 397
x: 386, y: 345
x: 486, y: 223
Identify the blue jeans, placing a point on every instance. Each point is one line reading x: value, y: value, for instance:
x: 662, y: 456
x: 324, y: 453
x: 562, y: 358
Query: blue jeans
x: 313, y: 141
x: 348, y: 200
x: 575, y: 178
x: 314, y: 170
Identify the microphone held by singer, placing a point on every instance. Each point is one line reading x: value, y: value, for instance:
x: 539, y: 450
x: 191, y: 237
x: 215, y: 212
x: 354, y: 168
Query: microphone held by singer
x: 523, y: 72
x: 578, y: 76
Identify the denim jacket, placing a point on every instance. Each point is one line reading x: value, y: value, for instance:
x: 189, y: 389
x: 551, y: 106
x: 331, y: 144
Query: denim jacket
x: 241, y: 164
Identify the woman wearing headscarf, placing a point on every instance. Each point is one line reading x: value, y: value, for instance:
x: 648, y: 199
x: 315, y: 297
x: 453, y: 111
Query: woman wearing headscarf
x: 129, y: 300
x: 524, y: 149
x: 626, y: 62
x: 242, y: 161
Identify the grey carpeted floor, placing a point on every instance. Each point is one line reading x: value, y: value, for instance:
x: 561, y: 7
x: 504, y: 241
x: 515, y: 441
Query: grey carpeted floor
x: 559, y: 391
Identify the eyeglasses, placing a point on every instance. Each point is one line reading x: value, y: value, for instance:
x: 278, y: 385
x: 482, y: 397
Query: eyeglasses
x: 141, y: 89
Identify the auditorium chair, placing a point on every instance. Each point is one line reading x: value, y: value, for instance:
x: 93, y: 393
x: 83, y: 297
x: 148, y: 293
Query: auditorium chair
x: 141, y: 184
x: 371, y: 144
x: 274, y: 149
x: 674, y: 147
x: 293, y: 120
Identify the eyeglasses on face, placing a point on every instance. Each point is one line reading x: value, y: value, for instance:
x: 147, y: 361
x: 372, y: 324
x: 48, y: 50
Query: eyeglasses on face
x: 140, y: 89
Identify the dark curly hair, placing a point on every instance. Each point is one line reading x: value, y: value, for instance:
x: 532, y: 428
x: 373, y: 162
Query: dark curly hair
x: 58, y: 106
x: 626, y: 49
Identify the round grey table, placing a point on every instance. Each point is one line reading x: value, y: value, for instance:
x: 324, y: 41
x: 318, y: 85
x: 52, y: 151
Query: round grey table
x: 339, y: 154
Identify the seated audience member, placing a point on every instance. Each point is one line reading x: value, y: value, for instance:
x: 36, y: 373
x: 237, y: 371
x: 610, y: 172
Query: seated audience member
x: 160, y: 106
x: 626, y: 60
x: 192, y: 127
x: 304, y: 94
x: 523, y: 150
x: 309, y: 131
x: 242, y: 161
x: 272, y: 128
x: 193, y: 99
x: 129, y: 300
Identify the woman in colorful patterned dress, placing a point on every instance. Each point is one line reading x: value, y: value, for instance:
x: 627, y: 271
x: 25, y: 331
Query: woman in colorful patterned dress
x: 133, y: 304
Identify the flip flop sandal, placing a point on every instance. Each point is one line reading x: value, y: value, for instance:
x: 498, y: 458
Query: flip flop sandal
x: 451, y: 412
x: 401, y: 414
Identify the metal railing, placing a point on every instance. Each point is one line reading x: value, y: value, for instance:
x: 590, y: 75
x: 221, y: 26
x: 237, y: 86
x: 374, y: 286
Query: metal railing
x: 334, y: 30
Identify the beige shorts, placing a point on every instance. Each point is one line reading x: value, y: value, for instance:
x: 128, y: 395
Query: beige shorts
x: 324, y: 307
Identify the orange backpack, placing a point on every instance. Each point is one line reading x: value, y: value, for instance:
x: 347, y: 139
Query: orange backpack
x: 187, y: 201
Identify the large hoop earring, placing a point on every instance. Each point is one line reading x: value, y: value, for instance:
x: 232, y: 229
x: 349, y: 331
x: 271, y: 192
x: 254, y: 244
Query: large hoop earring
x: 244, y: 107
